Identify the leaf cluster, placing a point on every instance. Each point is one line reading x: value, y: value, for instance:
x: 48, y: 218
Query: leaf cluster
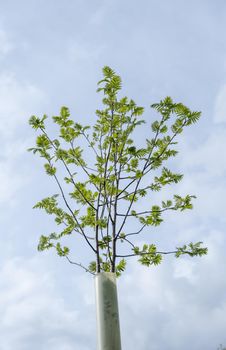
x: 148, y: 255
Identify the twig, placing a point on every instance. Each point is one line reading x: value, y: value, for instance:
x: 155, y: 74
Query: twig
x: 79, y: 264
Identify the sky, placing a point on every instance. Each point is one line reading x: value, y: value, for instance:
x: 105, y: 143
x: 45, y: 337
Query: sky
x: 51, y: 54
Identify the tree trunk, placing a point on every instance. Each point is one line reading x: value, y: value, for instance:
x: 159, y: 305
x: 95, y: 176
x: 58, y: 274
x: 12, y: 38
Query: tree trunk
x: 108, y: 329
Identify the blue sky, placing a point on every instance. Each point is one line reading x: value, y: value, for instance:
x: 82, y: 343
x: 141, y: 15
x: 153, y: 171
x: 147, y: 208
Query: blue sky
x: 51, y: 54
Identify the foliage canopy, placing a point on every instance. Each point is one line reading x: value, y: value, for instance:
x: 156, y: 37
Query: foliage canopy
x: 98, y: 208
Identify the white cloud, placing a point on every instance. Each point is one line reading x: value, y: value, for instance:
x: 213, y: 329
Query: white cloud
x: 207, y: 158
x: 204, y: 168
x: 34, y: 314
x: 18, y: 100
x: 220, y: 106
x: 9, y: 183
x: 186, y: 269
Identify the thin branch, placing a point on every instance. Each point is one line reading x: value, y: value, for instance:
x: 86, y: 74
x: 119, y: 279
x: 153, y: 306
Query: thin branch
x: 103, y: 205
x: 147, y: 253
x: 84, y: 197
x: 127, y: 177
x: 77, y: 231
x: 128, y: 185
x: 129, y: 207
x: 137, y: 232
x: 84, y: 167
x: 129, y: 194
x: 68, y: 170
x: 97, y: 232
x: 71, y: 211
x: 115, y: 208
x: 128, y: 241
x: 126, y: 195
x: 105, y: 172
x: 79, y: 264
x: 108, y: 243
x: 144, y: 167
x: 148, y: 212
x: 174, y: 135
x: 87, y: 138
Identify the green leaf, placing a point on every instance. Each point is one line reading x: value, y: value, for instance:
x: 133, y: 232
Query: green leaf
x: 183, y: 203
x: 62, y: 251
x: 42, y: 141
x: 107, y: 72
x: 44, y: 243
x: 164, y: 129
x: 193, y: 249
x: 155, y: 126
x: 50, y: 170
x: 48, y: 203
x: 37, y: 123
x: 92, y: 266
x: 120, y: 267
x: 64, y: 112
x: 139, y: 174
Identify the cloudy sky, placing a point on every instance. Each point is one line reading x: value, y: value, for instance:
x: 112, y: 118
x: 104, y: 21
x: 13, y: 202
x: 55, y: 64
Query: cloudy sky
x: 51, y: 54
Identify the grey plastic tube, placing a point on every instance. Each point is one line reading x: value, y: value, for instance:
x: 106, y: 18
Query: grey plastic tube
x: 108, y: 328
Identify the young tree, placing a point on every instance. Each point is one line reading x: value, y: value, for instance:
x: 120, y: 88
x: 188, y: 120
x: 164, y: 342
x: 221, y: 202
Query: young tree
x: 99, y: 208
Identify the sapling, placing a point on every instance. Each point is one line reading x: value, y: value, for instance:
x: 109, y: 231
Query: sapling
x: 119, y: 175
